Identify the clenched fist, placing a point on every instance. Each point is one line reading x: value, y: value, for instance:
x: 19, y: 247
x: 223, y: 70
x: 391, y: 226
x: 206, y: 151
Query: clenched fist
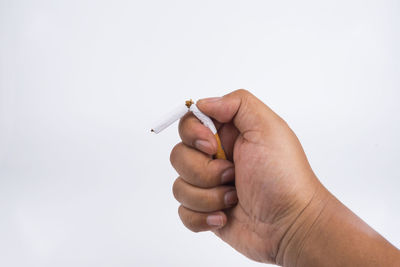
x: 265, y: 201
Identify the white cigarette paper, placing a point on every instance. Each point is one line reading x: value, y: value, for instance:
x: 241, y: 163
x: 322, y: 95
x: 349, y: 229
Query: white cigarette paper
x: 203, y: 118
x: 178, y: 113
x: 170, y: 118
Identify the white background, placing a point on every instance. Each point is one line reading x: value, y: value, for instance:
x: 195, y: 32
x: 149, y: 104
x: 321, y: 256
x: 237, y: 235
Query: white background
x: 82, y: 180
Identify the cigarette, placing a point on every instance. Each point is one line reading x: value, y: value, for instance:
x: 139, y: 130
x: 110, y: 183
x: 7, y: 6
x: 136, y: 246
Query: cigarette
x: 179, y: 112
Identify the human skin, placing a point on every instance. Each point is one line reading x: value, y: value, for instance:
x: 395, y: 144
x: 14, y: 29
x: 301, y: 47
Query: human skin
x: 265, y: 200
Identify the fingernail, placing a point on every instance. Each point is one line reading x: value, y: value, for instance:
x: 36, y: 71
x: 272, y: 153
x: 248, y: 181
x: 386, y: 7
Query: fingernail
x: 210, y: 99
x: 204, y: 146
x: 230, y: 198
x: 215, y: 220
x: 228, y: 175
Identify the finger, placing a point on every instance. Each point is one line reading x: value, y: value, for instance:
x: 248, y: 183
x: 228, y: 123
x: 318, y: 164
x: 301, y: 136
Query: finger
x: 242, y: 108
x: 193, y: 133
x: 200, y: 170
x: 202, y: 199
x: 198, y: 222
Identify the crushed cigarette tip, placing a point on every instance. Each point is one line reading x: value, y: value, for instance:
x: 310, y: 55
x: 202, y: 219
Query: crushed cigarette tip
x: 179, y: 112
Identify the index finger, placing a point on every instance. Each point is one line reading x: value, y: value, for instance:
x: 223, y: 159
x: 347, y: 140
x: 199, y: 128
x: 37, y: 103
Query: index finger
x: 194, y: 134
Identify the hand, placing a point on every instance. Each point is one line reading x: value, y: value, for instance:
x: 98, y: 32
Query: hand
x: 273, y: 179
x: 265, y: 200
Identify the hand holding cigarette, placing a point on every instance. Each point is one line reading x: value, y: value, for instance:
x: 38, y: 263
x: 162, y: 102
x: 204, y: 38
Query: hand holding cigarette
x: 264, y: 199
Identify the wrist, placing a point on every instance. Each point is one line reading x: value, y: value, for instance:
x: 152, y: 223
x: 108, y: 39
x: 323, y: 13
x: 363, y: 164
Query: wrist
x: 299, y: 232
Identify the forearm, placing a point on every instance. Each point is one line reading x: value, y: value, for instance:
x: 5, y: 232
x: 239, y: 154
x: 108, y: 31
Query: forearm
x: 340, y: 238
x: 329, y: 234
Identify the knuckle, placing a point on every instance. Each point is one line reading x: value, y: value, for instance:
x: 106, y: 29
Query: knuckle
x: 192, y: 225
x: 174, y: 153
x: 182, y: 124
x: 188, y: 219
x: 176, y: 189
x: 242, y: 91
x: 284, y: 122
x: 187, y: 124
x: 181, y: 212
x: 247, y: 98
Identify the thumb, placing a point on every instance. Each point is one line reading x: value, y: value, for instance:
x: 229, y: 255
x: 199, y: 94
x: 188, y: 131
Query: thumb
x: 241, y: 107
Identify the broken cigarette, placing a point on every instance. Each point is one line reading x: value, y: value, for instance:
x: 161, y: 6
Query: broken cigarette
x: 179, y: 112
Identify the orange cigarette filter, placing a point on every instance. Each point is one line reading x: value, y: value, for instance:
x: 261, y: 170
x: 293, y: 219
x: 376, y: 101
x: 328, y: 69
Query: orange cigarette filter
x: 220, y: 150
